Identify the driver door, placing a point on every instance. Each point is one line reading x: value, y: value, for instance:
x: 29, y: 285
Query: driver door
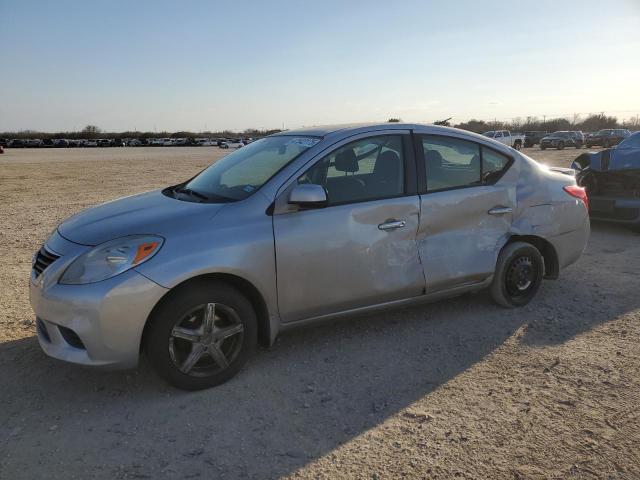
x: 360, y: 249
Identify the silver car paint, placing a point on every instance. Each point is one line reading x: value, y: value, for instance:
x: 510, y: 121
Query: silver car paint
x: 297, y: 279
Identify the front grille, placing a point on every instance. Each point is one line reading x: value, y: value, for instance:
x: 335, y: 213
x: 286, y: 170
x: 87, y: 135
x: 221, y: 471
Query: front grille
x: 71, y: 337
x: 44, y: 258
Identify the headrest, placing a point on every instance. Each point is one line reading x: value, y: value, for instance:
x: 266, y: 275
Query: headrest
x: 388, y: 163
x: 346, y: 161
x: 433, y: 158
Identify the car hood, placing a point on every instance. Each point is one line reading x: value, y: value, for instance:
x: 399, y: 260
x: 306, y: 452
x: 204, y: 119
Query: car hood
x: 145, y: 213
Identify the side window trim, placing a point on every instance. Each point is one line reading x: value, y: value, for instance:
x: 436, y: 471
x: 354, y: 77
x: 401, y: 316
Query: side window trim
x: 422, y: 173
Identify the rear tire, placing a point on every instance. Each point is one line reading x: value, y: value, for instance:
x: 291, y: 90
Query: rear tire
x: 560, y: 146
x: 519, y: 272
x: 178, y: 332
x: 517, y: 145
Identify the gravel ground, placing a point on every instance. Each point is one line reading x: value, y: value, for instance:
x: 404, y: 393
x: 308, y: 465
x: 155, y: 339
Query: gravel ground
x: 459, y: 388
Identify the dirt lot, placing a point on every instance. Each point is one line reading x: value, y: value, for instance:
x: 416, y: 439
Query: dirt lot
x: 460, y: 388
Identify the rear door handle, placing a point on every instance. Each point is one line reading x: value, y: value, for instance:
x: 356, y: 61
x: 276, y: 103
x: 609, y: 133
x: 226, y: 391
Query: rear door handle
x: 500, y: 210
x: 392, y: 224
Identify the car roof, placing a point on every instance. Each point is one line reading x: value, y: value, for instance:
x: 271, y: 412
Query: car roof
x: 346, y: 130
x: 339, y: 132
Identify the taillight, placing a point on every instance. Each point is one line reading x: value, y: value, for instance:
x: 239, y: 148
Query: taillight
x: 578, y: 192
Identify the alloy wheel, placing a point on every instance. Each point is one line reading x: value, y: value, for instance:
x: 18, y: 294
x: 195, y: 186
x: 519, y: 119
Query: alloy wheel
x: 206, y: 339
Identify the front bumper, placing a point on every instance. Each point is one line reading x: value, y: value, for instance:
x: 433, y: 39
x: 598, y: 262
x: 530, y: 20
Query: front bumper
x: 107, y: 317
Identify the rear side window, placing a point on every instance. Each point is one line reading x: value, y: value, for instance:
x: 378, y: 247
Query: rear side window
x: 493, y: 165
x: 454, y: 163
x: 368, y: 169
x: 450, y: 163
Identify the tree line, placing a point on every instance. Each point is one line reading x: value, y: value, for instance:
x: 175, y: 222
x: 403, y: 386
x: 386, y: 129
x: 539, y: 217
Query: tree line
x: 591, y: 123
x: 94, y: 132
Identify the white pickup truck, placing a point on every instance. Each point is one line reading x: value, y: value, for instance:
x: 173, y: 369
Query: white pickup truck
x: 515, y: 140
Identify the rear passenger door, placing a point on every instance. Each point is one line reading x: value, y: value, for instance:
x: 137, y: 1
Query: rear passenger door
x: 467, y: 206
x: 360, y: 249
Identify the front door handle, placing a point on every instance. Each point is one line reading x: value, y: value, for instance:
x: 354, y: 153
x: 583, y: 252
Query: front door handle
x: 392, y: 224
x: 500, y: 210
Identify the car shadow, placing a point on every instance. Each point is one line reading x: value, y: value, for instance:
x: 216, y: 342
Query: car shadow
x: 314, y: 390
x: 588, y: 293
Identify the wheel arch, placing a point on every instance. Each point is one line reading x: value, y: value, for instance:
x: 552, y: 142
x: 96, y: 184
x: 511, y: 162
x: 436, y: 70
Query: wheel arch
x: 242, y: 285
x: 546, y: 249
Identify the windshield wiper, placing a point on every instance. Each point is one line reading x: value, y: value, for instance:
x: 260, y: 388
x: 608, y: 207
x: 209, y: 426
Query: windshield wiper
x: 191, y: 192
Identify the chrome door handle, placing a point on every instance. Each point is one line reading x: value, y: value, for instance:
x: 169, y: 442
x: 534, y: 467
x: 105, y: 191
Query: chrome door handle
x: 500, y: 210
x: 392, y: 224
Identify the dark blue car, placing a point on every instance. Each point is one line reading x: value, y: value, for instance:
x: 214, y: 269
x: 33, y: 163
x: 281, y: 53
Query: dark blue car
x: 612, y: 180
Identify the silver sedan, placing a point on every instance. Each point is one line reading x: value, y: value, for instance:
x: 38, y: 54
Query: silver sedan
x: 295, y: 228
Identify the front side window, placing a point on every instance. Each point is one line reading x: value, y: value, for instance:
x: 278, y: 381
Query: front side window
x: 242, y: 172
x: 368, y: 169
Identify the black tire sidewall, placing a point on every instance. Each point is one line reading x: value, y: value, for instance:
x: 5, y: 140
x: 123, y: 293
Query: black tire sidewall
x: 164, y: 317
x: 508, y: 254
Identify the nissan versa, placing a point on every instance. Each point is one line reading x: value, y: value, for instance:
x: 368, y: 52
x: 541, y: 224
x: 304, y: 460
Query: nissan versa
x: 298, y: 227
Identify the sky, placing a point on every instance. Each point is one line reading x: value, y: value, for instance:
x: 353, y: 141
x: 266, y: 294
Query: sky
x: 206, y: 65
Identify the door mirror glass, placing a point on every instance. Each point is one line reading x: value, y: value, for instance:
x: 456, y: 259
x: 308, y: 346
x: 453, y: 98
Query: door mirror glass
x: 309, y: 196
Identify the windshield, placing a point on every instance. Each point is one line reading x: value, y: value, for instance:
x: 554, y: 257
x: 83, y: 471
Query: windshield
x: 489, y: 134
x: 242, y: 172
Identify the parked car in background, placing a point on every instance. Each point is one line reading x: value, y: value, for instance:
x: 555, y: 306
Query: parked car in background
x: 46, y: 143
x: 15, y: 143
x: 134, y: 142
x: 103, y: 142
x: 193, y: 266
x: 236, y: 143
x: 117, y: 142
x: 33, y: 143
x: 607, y: 137
x: 578, y: 138
x: 560, y: 140
x: 91, y: 143
x: 60, y: 143
x: 168, y: 142
x: 156, y: 142
x: 3, y: 142
x: 206, y: 142
x: 611, y: 178
x: 533, y: 137
x: 506, y: 137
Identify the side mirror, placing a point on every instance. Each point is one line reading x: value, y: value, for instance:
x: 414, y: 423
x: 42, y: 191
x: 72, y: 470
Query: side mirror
x: 308, y: 196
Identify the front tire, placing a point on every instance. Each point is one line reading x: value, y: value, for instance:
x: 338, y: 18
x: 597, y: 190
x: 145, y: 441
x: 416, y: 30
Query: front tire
x: 518, y: 276
x: 560, y: 146
x: 201, y: 336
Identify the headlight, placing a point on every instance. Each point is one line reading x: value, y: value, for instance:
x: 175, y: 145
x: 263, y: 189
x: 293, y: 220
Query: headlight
x: 111, y: 258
